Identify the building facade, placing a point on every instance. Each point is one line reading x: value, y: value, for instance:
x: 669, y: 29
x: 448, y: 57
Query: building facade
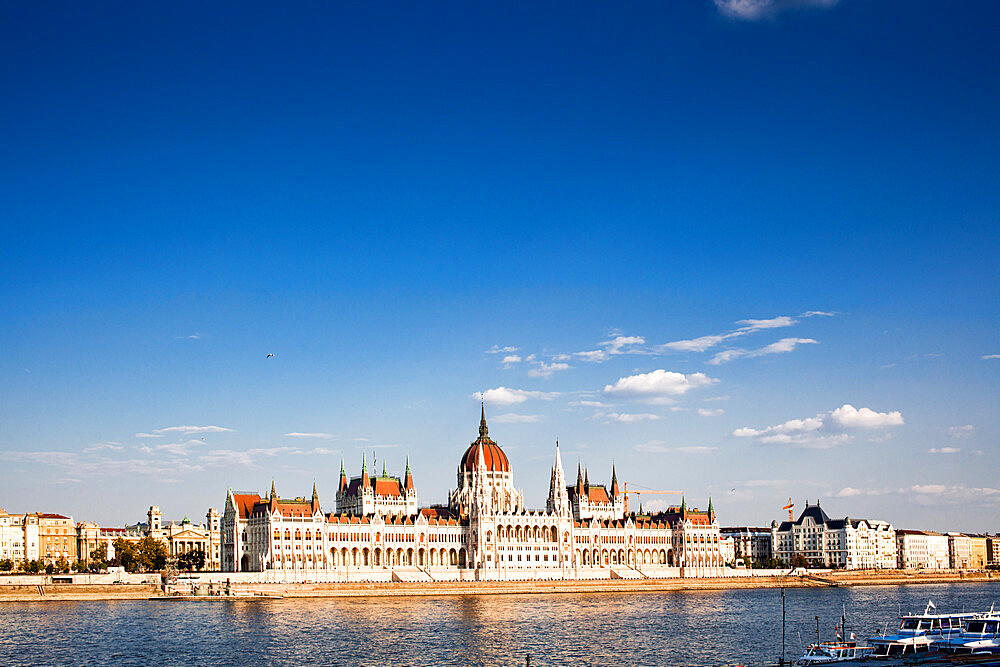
x: 57, y: 538
x: 19, y: 537
x: 853, y: 544
x: 959, y: 551
x: 485, y: 527
x: 179, y: 536
x: 750, y: 544
x: 921, y: 550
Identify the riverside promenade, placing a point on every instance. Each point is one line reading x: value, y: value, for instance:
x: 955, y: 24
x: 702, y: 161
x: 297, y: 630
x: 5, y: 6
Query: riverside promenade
x: 35, y: 592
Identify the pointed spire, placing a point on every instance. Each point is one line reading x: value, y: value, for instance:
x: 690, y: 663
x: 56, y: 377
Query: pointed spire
x: 483, y: 431
x: 274, y: 494
x: 343, y: 477
x: 683, y: 506
x: 343, y: 473
x: 579, y: 478
x: 383, y: 468
x: 408, y: 479
x: 614, y: 482
x: 364, y: 462
x: 711, y: 510
x: 365, y: 480
x: 586, y: 481
x: 315, y: 498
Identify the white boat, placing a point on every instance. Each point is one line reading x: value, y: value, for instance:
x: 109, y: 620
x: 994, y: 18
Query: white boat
x: 980, y: 635
x: 918, y: 632
x: 825, y: 653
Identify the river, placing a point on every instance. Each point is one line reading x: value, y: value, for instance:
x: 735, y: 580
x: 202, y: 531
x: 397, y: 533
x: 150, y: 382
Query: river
x: 679, y: 628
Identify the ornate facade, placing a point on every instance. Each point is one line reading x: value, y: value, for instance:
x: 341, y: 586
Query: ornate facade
x: 485, y: 531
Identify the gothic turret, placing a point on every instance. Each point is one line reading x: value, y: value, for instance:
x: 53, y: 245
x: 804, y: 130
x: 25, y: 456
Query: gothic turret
x: 315, y: 499
x: 408, y: 478
x: 558, y: 501
x: 365, y: 479
x: 343, y: 477
x: 614, y: 483
x: 274, y: 494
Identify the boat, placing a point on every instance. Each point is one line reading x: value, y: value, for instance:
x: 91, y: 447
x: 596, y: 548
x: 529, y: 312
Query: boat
x: 825, y: 653
x: 918, y: 632
x: 981, y: 635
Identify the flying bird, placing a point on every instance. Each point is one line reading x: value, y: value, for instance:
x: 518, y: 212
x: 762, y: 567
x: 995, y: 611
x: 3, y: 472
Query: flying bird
x: 269, y: 356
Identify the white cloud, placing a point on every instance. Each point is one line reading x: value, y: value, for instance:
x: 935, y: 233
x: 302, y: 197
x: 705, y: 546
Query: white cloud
x: 544, y: 370
x: 511, y: 359
x: 746, y: 327
x: 506, y: 396
x: 944, y: 450
x: 824, y: 430
x: 694, y: 344
x: 502, y: 350
x: 780, y: 347
x: 513, y: 418
x: 296, y: 434
x: 625, y: 418
x: 148, y: 435
x: 659, y: 386
x: 850, y: 417
x: 191, y: 430
x: 932, y: 489
x: 705, y: 412
x: 991, y: 356
x: 103, y: 446
x: 617, y: 345
x: 588, y: 404
x: 752, y: 10
x: 651, y: 447
x: 966, y: 431
x: 696, y: 450
x: 773, y: 323
x: 848, y: 492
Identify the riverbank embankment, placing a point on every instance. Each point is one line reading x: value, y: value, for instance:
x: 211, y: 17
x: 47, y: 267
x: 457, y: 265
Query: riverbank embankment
x: 71, y: 592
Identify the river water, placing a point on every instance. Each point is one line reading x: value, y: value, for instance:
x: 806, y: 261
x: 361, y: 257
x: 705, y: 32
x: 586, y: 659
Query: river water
x: 679, y: 628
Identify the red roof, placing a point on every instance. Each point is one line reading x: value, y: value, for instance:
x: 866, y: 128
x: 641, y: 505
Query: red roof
x: 494, y: 458
x: 245, y: 502
x: 388, y: 487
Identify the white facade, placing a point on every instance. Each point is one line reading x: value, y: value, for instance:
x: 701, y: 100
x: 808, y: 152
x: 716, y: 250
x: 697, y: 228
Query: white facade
x: 959, y: 551
x: 19, y: 538
x: 854, y: 544
x: 922, y: 550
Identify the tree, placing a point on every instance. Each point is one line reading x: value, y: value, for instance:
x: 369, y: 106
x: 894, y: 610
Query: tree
x: 151, y: 553
x: 6, y: 565
x: 125, y: 554
x: 798, y: 560
x: 98, y: 558
x: 191, y: 560
x: 80, y: 565
x: 62, y: 565
x: 31, y: 566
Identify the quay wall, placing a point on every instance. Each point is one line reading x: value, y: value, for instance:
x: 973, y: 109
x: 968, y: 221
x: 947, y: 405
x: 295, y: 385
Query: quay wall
x: 392, y: 583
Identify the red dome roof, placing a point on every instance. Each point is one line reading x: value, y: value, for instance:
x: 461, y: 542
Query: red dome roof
x: 495, y: 459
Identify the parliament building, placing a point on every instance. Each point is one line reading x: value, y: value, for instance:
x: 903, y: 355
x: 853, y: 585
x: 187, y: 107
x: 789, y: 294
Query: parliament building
x: 485, y: 532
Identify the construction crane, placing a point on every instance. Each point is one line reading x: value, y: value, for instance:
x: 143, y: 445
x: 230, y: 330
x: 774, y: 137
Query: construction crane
x: 789, y: 506
x: 625, y: 492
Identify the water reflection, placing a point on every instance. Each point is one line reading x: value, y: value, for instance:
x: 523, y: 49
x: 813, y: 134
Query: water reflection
x: 683, y: 628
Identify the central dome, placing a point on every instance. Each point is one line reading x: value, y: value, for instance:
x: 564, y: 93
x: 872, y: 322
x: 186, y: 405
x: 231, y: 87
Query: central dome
x: 494, y: 458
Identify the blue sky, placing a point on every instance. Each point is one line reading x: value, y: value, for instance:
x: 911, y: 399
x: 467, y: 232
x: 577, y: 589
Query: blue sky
x: 746, y: 248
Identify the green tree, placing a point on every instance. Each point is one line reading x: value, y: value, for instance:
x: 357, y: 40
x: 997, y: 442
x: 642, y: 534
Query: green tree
x: 191, y: 560
x: 151, y: 553
x: 126, y: 555
x: 31, y: 566
x: 798, y: 560
x: 99, y: 558
x: 80, y: 565
x: 62, y: 565
x: 6, y: 565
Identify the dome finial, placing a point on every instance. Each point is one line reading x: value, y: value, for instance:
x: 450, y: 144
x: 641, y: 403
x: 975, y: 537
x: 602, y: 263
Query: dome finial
x: 483, y: 431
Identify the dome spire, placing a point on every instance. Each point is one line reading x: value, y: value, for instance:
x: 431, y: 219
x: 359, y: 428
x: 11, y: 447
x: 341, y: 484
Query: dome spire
x: 483, y: 431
